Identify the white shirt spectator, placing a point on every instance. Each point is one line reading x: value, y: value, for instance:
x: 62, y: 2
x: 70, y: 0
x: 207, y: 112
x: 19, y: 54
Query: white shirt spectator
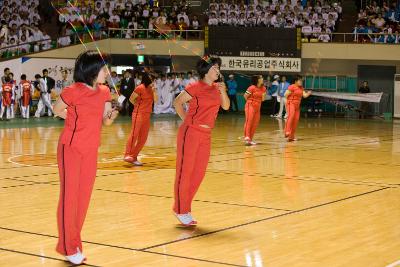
x: 306, y: 30
x: 185, y: 17
x: 16, y: 21
x: 195, y: 24
x: 213, y: 21
x: 114, y: 18
x: 37, y: 35
x: 316, y: 30
x: 64, y: 41
x: 324, y: 37
x: 46, y: 44
x: 232, y: 21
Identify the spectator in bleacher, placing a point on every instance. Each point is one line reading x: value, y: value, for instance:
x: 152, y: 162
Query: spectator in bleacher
x: 306, y: 30
x: 46, y: 44
x: 64, y: 40
x: 385, y: 37
x: 324, y: 37
x: 24, y: 47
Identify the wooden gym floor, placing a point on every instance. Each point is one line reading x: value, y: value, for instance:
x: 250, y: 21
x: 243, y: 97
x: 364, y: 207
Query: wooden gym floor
x: 330, y: 199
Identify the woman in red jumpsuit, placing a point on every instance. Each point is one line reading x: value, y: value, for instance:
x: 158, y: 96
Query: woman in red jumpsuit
x: 205, y: 97
x: 143, y: 98
x: 85, y: 105
x: 294, y: 94
x: 254, y: 96
x: 26, y: 94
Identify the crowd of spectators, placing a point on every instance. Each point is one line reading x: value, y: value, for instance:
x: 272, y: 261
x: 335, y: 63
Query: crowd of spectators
x: 139, y: 19
x: 378, y: 23
x: 21, y: 28
x: 316, y: 21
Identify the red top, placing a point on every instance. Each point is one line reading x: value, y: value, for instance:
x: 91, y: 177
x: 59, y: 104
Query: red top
x: 26, y: 92
x: 204, y: 105
x: 84, y: 114
x: 145, y: 99
x: 296, y: 93
x: 7, y: 94
x: 256, y: 94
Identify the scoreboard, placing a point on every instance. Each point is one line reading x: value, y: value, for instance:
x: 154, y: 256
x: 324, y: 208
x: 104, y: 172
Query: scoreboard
x: 255, y: 48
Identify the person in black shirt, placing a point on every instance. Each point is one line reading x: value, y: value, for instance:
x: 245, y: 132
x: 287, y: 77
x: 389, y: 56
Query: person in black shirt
x: 364, y: 89
x: 127, y: 87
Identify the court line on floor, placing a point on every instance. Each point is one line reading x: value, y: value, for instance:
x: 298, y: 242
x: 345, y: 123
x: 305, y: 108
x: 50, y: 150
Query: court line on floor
x: 216, y: 171
x: 56, y: 183
x: 266, y: 219
x: 266, y: 175
x: 306, y: 178
x: 223, y: 154
x: 41, y: 256
x: 195, y: 200
x: 112, y: 246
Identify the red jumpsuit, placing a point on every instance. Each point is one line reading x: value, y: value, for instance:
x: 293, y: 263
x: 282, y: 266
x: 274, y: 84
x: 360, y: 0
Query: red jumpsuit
x: 140, y: 121
x: 26, y: 92
x: 293, y: 109
x: 77, y: 160
x: 7, y: 100
x: 194, y: 143
x: 26, y: 88
x: 7, y: 93
x: 252, y: 110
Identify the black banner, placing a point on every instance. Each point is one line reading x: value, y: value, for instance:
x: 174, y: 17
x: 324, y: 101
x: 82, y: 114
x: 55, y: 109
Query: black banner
x: 253, y: 41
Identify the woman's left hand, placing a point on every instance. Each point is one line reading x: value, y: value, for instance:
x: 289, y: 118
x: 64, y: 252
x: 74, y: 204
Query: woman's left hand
x: 222, y: 87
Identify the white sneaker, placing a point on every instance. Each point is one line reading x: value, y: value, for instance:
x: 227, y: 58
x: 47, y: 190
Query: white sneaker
x: 247, y: 141
x: 77, y: 258
x: 137, y: 163
x: 253, y: 143
x: 186, y: 219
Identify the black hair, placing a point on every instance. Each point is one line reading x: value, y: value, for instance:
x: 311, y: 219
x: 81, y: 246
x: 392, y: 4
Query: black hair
x: 23, y: 77
x: 204, y: 65
x: 254, y: 79
x: 45, y: 70
x: 11, y: 74
x: 37, y: 76
x: 297, y: 77
x: 6, y: 69
x: 7, y: 79
x: 87, y: 66
x: 147, y: 78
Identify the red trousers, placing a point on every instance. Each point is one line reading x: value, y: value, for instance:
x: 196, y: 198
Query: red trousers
x: 293, y: 109
x: 193, y: 152
x: 252, y: 113
x: 138, y: 135
x: 77, y: 168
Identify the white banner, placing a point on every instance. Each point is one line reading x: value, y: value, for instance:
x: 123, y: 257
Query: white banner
x: 370, y: 97
x: 33, y: 66
x: 261, y: 64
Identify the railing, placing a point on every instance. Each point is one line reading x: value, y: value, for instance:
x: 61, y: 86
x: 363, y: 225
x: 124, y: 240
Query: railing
x: 339, y: 37
x: 42, y: 45
x: 155, y: 34
x: 83, y: 36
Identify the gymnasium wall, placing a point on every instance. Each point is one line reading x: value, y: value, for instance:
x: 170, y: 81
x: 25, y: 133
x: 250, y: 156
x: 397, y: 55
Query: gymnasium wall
x: 331, y: 58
